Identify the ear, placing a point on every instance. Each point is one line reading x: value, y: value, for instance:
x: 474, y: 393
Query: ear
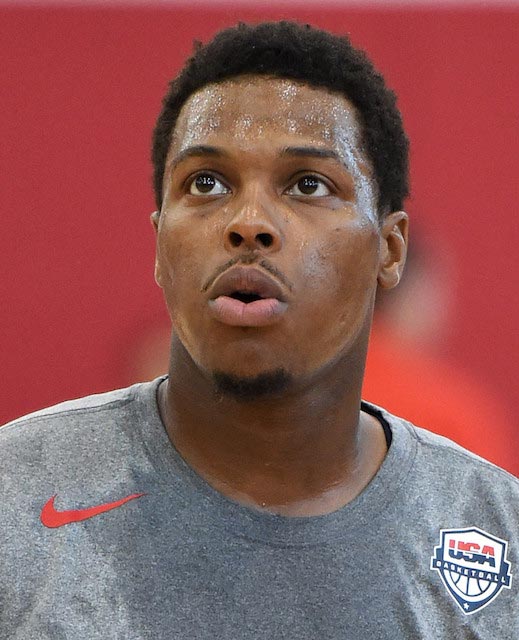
x: 393, y: 248
x: 154, y: 219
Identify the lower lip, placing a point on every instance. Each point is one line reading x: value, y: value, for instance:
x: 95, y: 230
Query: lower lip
x: 259, y: 313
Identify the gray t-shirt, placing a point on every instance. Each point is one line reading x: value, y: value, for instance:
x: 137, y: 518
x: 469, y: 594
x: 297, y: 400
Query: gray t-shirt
x: 428, y: 549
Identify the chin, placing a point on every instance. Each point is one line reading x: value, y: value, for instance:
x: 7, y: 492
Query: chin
x: 268, y: 384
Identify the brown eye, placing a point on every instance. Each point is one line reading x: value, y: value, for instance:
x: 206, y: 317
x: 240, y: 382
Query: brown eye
x: 309, y: 185
x: 207, y: 184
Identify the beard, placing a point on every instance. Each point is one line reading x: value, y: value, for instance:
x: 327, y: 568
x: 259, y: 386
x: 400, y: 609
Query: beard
x: 249, y: 389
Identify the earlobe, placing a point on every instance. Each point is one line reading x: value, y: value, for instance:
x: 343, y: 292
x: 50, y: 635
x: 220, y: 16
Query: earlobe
x: 158, y: 278
x: 154, y: 219
x: 393, y: 249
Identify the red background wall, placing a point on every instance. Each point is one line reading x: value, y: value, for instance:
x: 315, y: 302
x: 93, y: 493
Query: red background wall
x: 81, y: 89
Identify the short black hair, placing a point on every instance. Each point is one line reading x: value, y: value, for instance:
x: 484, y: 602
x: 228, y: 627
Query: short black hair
x: 309, y: 55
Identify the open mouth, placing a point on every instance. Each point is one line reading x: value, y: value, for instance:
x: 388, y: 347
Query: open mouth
x: 245, y: 296
x: 246, y: 285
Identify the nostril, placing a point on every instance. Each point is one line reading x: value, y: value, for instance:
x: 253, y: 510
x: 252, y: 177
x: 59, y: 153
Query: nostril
x: 235, y: 239
x: 265, y: 239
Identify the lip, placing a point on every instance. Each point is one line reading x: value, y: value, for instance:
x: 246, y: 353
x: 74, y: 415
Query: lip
x: 258, y: 313
x: 246, y: 279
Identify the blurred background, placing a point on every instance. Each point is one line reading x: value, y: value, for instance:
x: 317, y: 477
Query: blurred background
x: 81, y: 87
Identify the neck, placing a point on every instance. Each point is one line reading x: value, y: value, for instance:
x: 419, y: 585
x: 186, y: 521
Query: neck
x: 308, y: 451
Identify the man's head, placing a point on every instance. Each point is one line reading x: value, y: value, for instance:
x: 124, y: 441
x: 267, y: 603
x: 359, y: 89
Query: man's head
x: 274, y: 227
x: 311, y: 56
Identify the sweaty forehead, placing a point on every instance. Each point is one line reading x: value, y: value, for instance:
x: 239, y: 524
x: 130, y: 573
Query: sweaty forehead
x: 250, y: 106
x: 264, y: 115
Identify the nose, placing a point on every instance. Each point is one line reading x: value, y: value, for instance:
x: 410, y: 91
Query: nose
x: 253, y: 229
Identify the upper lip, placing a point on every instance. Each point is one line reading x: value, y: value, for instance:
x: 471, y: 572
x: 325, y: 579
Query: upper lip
x: 246, y: 280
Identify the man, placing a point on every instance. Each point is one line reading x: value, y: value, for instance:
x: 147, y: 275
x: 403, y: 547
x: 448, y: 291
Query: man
x: 250, y: 494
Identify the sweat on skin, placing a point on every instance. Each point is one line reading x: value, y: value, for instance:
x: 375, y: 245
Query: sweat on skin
x: 255, y: 158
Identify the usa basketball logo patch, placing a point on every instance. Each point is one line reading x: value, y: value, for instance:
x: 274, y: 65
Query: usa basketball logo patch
x: 472, y: 565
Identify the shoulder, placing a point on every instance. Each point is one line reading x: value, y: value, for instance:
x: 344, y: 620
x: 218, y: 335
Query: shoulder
x: 92, y: 441
x: 438, y: 487
x: 76, y: 428
x: 444, y: 470
x: 439, y: 454
x: 67, y: 412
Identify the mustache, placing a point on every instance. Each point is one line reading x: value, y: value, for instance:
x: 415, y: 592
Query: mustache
x: 249, y: 258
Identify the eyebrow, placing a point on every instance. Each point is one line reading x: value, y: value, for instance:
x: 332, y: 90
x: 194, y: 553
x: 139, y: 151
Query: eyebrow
x: 312, y: 152
x: 203, y: 150
x: 197, y: 151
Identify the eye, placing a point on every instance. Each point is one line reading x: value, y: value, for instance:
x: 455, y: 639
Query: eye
x: 309, y: 185
x: 206, y: 184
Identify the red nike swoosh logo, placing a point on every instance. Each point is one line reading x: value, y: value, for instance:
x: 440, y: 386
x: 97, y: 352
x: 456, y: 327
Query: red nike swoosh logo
x: 51, y: 518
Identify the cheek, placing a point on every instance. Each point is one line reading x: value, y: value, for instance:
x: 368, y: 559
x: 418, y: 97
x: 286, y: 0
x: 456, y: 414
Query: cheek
x: 178, y: 262
x: 338, y: 281
x: 344, y: 266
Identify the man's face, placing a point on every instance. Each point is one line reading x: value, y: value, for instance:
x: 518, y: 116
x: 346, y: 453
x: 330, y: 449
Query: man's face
x: 268, y: 239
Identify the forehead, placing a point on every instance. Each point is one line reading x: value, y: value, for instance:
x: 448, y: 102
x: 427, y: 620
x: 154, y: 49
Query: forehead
x: 253, y: 106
